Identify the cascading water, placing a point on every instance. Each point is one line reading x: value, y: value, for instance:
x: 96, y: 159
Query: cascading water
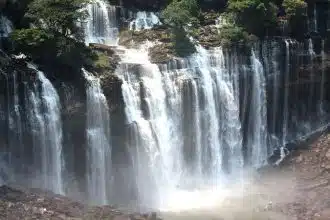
x: 99, y: 148
x: 213, y: 105
x: 144, y: 20
x: 101, y: 26
x: 315, y: 19
x: 191, y: 124
x: 286, y: 93
x: 153, y: 140
x: 323, y: 57
x: 6, y: 27
x: 15, y: 140
x: 258, y: 123
x: 311, y: 94
x: 46, y: 124
x: 162, y: 126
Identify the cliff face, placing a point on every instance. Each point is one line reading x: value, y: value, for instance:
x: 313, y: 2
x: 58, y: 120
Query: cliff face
x: 270, y: 94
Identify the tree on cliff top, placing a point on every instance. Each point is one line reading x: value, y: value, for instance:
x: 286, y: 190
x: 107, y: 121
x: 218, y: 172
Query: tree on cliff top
x: 256, y: 16
x: 49, y: 41
x: 181, y: 12
x: 294, y: 7
x: 58, y: 16
x: 178, y: 14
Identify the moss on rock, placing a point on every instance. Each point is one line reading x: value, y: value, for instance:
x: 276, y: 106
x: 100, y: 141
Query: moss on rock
x: 104, y: 61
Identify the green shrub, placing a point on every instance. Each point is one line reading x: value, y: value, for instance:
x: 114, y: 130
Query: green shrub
x: 181, y: 43
x: 294, y: 7
x: 32, y: 41
x: 58, y: 16
x: 101, y: 62
x: 256, y: 16
x: 47, y: 49
x: 51, y: 43
x: 181, y: 12
x: 230, y: 35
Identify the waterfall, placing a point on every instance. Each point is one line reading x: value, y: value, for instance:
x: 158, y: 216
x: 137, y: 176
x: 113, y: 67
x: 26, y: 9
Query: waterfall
x: 184, y: 123
x: 275, y: 98
x: 144, y: 20
x: 3, y: 169
x: 101, y: 25
x: 311, y: 94
x: 286, y: 93
x: 6, y: 27
x: 15, y: 138
x: 323, y: 57
x: 98, y: 137
x: 46, y: 124
x: 258, y: 122
x: 315, y: 18
x: 211, y: 121
x: 155, y: 141
x: 197, y: 129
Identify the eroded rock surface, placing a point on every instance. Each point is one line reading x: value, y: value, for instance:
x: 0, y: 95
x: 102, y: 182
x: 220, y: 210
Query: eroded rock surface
x: 36, y: 204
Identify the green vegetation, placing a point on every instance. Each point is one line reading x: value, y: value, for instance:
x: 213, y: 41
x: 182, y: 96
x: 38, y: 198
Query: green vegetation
x: 101, y: 63
x: 245, y: 21
x: 295, y: 8
x: 181, y: 43
x: 55, y: 39
x: 230, y: 35
x: 32, y: 42
x: 31, y: 39
x: 296, y: 15
x: 255, y: 16
x: 181, y: 12
x: 58, y: 16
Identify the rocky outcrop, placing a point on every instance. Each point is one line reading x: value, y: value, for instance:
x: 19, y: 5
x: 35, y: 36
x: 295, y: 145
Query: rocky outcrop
x: 310, y: 166
x: 161, y: 53
x: 208, y: 36
x: 36, y: 204
x: 104, y: 67
x: 163, y: 49
x: 132, y: 39
x: 105, y: 59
